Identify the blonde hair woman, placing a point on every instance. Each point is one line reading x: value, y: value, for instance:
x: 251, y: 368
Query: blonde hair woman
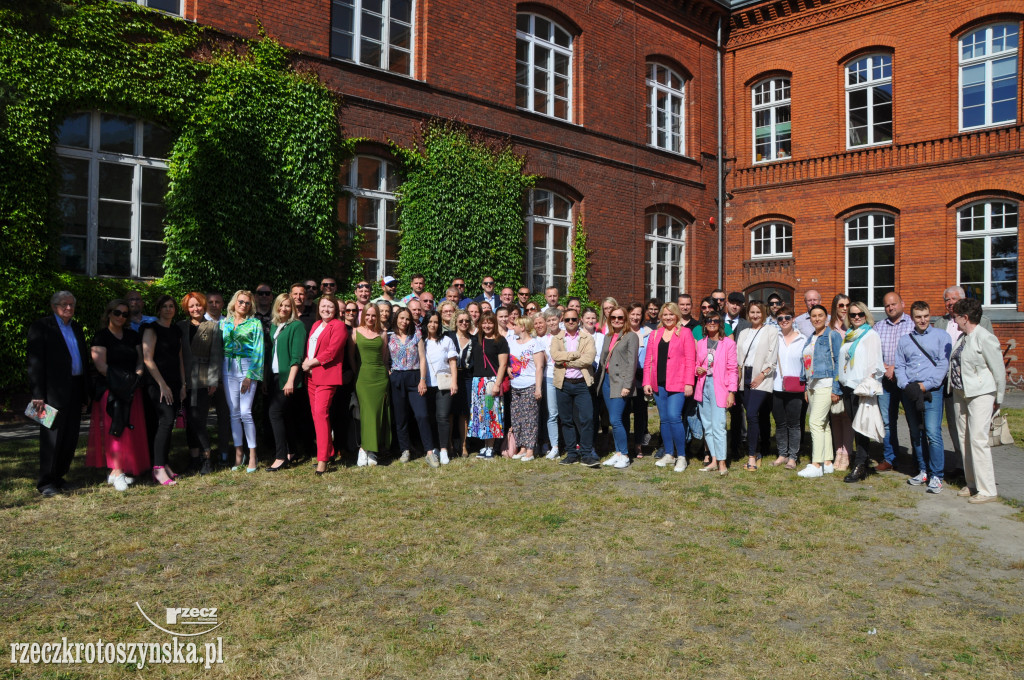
x: 526, y: 370
x: 447, y: 310
x: 243, y: 365
x: 607, y: 305
x: 286, y: 364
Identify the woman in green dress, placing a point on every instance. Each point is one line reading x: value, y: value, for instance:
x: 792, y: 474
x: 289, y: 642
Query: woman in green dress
x: 372, y: 386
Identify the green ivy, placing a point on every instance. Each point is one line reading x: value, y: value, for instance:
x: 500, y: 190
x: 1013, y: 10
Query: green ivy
x: 253, y: 172
x: 578, y: 284
x: 460, y: 209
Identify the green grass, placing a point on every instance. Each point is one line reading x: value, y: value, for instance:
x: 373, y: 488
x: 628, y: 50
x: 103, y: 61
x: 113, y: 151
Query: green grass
x: 510, y: 570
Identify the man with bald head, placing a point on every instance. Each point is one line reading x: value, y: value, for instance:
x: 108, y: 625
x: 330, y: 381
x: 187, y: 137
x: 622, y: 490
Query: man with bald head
x: 803, y: 322
x: 894, y: 326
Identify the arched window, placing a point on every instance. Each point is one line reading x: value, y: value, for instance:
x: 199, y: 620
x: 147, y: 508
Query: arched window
x: 869, y: 101
x: 987, y: 251
x: 543, y: 66
x: 376, y: 33
x: 772, y: 127
x: 870, y: 257
x: 111, y: 196
x: 988, y: 76
x: 666, y: 99
x: 666, y: 257
x: 771, y: 241
x: 371, y: 183
x: 548, y: 228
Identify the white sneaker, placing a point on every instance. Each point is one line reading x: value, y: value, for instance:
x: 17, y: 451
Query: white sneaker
x: 828, y: 469
x: 361, y: 461
x: 443, y: 456
x: 526, y: 459
x: 612, y: 459
x: 622, y: 463
x: 120, y: 483
x: 680, y: 464
x: 665, y: 461
x: 553, y: 453
x: 404, y: 457
x: 918, y: 480
x: 371, y: 459
x: 517, y: 456
x: 810, y: 471
x: 127, y: 480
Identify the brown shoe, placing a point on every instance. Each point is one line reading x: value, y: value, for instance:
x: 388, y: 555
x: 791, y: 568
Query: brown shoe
x: 884, y: 466
x: 978, y: 498
x: 964, y: 492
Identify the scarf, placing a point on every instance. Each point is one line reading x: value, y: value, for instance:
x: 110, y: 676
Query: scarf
x: 854, y: 336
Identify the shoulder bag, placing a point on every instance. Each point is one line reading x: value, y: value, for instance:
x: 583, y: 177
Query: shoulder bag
x: 506, y: 384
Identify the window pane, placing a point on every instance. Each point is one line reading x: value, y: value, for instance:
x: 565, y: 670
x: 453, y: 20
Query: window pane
x: 341, y: 45
x: 368, y: 176
x: 858, y: 257
x: 370, y: 53
x: 399, y: 62
x: 71, y: 253
x: 972, y: 249
x: 116, y: 181
x: 1004, y: 293
x: 156, y: 141
x: 74, y: 131
x: 152, y: 222
x: 401, y: 35
x: 113, y: 257
x: 115, y: 219
x: 169, y: 6
x: 74, y: 176
x: 117, y: 134
x: 74, y: 214
x: 402, y: 10
x: 154, y: 185
x: 152, y: 259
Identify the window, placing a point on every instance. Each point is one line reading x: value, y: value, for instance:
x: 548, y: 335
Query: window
x: 113, y: 180
x: 548, y: 225
x: 761, y: 291
x: 870, y: 258
x: 772, y: 128
x: 665, y: 97
x: 869, y: 101
x: 371, y: 206
x: 374, y: 33
x: 543, y: 67
x: 666, y: 255
x: 987, y: 251
x: 772, y: 240
x: 988, y: 76
x: 169, y: 6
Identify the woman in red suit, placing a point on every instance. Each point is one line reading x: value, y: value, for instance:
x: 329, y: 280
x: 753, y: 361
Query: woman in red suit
x: 325, y: 354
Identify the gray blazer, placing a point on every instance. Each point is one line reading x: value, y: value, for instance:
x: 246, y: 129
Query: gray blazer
x: 620, y: 367
x: 943, y: 321
x: 981, y: 365
x: 766, y: 355
x: 203, y: 356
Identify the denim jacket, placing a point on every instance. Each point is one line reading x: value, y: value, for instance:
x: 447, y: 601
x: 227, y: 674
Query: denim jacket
x: 825, y: 363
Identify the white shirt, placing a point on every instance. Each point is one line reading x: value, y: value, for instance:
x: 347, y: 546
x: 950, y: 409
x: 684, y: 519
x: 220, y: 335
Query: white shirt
x: 438, y: 353
x: 273, y: 363
x: 598, y: 346
x: 311, y: 346
x: 791, y: 358
x: 544, y: 343
x: 521, y: 368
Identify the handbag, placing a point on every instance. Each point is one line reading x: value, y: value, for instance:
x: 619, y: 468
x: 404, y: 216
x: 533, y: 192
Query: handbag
x: 444, y: 381
x: 793, y: 383
x: 506, y: 384
x: 748, y: 370
x: 839, y: 406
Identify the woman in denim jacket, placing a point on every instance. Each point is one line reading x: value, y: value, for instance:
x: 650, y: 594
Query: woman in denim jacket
x: 820, y: 367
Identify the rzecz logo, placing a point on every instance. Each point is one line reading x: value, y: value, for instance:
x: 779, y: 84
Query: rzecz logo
x: 187, y: 618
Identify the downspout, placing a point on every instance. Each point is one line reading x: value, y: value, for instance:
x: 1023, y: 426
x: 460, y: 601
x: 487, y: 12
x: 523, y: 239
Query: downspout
x: 720, y: 105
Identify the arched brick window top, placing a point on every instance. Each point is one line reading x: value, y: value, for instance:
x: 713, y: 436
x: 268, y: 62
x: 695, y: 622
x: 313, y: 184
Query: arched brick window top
x: 771, y: 240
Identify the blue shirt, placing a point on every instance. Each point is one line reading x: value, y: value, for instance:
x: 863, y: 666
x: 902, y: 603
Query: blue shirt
x: 72, y: 342
x: 913, y: 366
x: 136, y: 325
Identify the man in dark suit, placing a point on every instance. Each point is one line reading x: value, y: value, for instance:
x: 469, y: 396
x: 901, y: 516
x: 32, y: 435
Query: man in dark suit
x: 57, y: 375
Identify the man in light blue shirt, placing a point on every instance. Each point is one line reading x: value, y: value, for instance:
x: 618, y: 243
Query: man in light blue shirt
x: 922, y: 360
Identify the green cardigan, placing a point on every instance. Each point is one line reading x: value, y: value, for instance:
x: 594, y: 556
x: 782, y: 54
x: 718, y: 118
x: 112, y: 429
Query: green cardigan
x: 291, y: 350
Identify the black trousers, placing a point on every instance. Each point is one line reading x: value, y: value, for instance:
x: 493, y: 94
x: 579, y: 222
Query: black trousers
x: 409, y: 405
x: 57, y: 444
x: 161, y: 417
x: 224, y: 441
x: 851, y: 403
x: 439, y: 408
x: 198, y: 407
x: 343, y: 425
x: 284, y: 419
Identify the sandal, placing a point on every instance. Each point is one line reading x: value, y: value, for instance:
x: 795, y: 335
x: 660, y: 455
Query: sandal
x: 748, y: 466
x: 791, y: 465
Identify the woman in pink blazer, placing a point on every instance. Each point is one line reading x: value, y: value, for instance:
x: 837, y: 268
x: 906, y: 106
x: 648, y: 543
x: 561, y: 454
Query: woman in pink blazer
x: 668, y: 375
x: 716, y: 357
x: 325, y: 354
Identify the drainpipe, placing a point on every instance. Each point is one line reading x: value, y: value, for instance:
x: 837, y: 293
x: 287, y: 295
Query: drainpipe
x: 720, y: 104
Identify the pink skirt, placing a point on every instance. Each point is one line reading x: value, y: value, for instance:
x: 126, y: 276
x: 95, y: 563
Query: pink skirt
x: 130, y: 451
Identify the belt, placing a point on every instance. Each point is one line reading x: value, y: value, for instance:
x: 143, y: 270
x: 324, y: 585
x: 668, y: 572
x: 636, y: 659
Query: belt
x: 574, y: 380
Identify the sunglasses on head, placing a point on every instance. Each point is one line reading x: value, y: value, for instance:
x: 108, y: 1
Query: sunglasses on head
x: 857, y: 315
x: 119, y: 313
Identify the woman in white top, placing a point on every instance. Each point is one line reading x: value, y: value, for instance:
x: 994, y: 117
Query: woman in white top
x: 757, y: 351
x: 860, y: 358
x: 526, y: 369
x: 442, y: 383
x: 552, y: 317
x: 788, y: 398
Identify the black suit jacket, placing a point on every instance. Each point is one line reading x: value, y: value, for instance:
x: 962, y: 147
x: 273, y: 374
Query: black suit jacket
x: 49, y: 364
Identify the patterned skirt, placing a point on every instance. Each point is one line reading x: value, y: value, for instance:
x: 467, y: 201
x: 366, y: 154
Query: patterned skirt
x: 524, y: 417
x: 485, y: 412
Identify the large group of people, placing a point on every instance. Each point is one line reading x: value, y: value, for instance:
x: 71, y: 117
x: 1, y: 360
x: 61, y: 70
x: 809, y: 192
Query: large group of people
x: 350, y: 379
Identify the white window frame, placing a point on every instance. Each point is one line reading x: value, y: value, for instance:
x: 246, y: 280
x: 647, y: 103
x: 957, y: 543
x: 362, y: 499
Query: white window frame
x: 776, y: 232
x: 534, y: 41
x: 872, y: 63
x: 383, y: 198
x: 177, y: 13
x: 988, y: 233
x: 385, y: 38
x: 988, y: 58
x: 95, y: 156
x: 773, y: 105
x: 872, y: 242
x: 654, y: 266
x: 675, y: 135
x: 547, y: 221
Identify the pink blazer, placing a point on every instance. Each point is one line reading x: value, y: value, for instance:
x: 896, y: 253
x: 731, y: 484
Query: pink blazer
x: 725, y: 371
x: 680, y: 367
x: 330, y: 351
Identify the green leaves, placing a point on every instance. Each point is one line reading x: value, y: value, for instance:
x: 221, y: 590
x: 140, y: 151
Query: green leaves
x: 578, y: 285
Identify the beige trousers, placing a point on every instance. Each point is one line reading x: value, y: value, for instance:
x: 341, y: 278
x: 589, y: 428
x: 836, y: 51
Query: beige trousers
x: 818, y: 403
x: 973, y: 422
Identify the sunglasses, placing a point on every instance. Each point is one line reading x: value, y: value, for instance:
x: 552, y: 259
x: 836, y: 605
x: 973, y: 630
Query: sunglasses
x: 458, y: 285
x: 351, y: 311
x: 857, y: 315
x: 567, y: 319
x: 775, y: 303
x: 310, y: 287
x: 264, y: 293
x: 843, y: 305
x: 786, y: 317
x: 324, y: 285
x: 118, y: 313
x: 363, y: 285
x: 243, y: 302
x: 488, y: 283
x: 617, y: 317
x: 719, y: 300
x: 705, y: 307
x: 531, y: 309
x: 463, y: 321
x: 711, y: 322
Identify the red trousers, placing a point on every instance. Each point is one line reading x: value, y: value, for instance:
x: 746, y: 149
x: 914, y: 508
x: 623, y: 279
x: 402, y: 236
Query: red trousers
x: 320, y: 397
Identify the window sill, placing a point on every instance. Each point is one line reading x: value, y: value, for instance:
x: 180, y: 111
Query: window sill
x: 862, y: 147
x: 980, y: 128
x: 551, y: 118
x: 773, y: 160
x: 678, y: 154
x: 375, y: 69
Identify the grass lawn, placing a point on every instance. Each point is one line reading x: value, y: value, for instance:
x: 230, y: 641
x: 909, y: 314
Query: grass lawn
x: 509, y: 570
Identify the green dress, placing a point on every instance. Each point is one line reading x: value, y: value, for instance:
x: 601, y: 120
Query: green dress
x: 372, y: 393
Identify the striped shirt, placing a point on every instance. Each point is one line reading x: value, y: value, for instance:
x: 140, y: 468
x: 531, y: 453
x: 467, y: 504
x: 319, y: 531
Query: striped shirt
x: 891, y: 333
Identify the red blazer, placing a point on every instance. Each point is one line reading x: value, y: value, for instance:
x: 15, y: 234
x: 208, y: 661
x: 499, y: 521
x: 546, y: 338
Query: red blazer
x: 681, y: 360
x: 330, y: 352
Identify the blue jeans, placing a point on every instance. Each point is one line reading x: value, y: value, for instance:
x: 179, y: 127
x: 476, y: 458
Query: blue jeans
x: 576, y: 411
x: 616, y: 407
x: 889, y: 403
x: 936, y: 459
x: 551, y: 401
x: 673, y: 429
x: 713, y: 418
x: 694, y: 428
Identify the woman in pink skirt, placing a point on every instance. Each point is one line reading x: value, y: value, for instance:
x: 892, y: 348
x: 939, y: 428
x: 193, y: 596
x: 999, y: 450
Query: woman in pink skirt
x: 117, y: 435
